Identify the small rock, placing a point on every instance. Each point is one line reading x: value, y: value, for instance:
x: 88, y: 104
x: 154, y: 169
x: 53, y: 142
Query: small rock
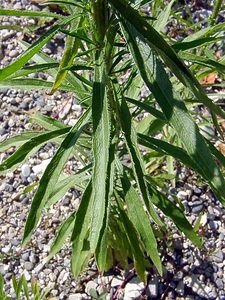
x: 26, y: 275
x: 117, y: 281
x: 41, y: 167
x: 133, y: 289
x: 213, y: 225
x: 152, y: 289
x: 13, y: 53
x: 182, y: 195
x: 11, y: 123
x: 91, y: 285
x: 180, y: 288
x: 25, y: 256
x: 25, y: 170
x: 197, y: 191
x: 217, y: 256
x: 78, y: 296
x: 28, y: 266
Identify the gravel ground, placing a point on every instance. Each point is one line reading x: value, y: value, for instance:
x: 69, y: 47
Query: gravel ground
x: 189, y: 273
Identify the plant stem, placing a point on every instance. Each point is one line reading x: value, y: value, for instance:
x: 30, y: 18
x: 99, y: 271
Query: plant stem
x: 216, y: 11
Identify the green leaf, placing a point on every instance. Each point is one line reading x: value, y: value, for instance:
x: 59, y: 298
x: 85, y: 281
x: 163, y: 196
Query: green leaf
x: 200, y: 60
x: 81, y: 92
x: 14, y: 283
x: 175, y: 214
x: 47, y: 122
x: 168, y: 149
x: 102, y: 252
x: 80, y: 236
x: 71, y: 48
x: 21, y: 154
x: 31, y: 84
x: 33, y: 69
x: 64, y: 232
x: 135, y: 243
x: 131, y: 141
x: 64, y: 185
x: 19, y: 287
x: 17, y: 140
x: 140, y: 30
x: 139, y: 218
x: 51, y: 174
x: 196, y: 43
x: 175, y: 111
x: 25, y: 288
x: 101, y: 141
x: 32, y: 50
x: 32, y: 14
x: 163, y: 17
x: 156, y: 113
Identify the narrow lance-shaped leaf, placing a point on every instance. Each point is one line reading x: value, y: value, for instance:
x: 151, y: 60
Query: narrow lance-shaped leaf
x: 71, y: 82
x: 31, y: 84
x: 20, y: 154
x: 24, y: 13
x: 71, y: 47
x: 135, y: 243
x: 131, y: 140
x: 51, y: 174
x: 47, y: 122
x: 32, y: 50
x: 139, y: 218
x: 163, y: 17
x: 101, y: 253
x: 175, y: 111
x: 80, y: 236
x: 143, y: 29
x: 65, y: 230
x: 64, y: 185
x: 101, y: 140
x: 175, y: 214
x: 17, y: 140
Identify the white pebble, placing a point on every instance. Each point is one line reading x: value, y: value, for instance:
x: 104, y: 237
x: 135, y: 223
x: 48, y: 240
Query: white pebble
x: 25, y: 170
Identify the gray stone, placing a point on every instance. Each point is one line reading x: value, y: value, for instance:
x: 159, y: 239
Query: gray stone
x: 133, y: 289
x: 117, y: 281
x: 213, y: 225
x: 221, y: 236
x: 24, y: 105
x: 78, y: 296
x: 197, y: 191
x: 91, y: 285
x: 13, y: 53
x: 152, y: 288
x: 25, y: 256
x: 26, y: 275
x: 11, y: 123
x: 2, y: 130
x: 28, y: 266
x: 180, y: 288
x: 220, y: 284
x: 197, y: 209
x: 217, y: 256
x: 25, y: 170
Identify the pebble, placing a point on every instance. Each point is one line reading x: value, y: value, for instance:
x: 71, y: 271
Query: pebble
x: 13, y: 53
x: 91, y: 285
x: 152, y: 288
x: 25, y: 170
x: 133, y: 289
x: 217, y: 256
x: 28, y: 266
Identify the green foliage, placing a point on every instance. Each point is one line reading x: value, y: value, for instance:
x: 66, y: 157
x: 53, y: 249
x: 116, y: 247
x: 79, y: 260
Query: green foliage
x: 21, y: 289
x: 122, y: 179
